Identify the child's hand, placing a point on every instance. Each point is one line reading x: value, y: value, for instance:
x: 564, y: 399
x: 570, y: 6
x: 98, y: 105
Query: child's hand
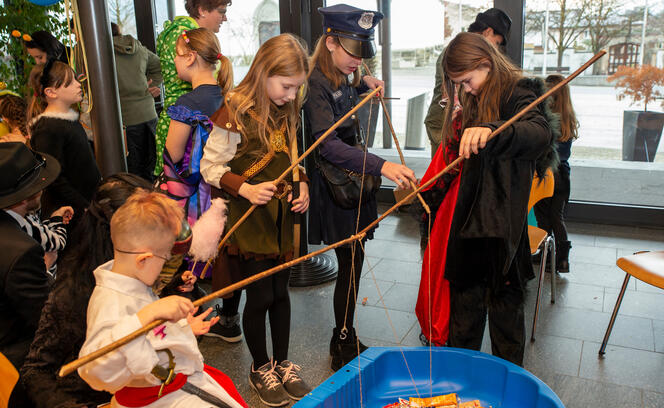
x: 398, y: 173
x: 189, y: 280
x: 65, y: 212
x: 198, y: 323
x: 374, y: 83
x: 258, y: 194
x: 300, y: 204
x: 50, y: 258
x: 171, y: 308
x: 473, y: 139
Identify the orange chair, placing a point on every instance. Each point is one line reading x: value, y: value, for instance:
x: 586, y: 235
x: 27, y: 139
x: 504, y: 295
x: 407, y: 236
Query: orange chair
x: 541, y: 240
x: 9, y: 377
x: 645, y: 266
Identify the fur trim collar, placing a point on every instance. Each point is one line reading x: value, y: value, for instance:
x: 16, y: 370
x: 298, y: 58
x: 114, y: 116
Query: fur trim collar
x: 71, y: 116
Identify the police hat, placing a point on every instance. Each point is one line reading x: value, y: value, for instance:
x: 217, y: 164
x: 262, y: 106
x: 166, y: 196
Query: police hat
x: 353, y: 26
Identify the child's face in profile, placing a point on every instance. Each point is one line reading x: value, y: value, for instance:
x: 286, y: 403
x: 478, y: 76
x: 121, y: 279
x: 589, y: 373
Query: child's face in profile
x: 284, y: 89
x: 149, y: 267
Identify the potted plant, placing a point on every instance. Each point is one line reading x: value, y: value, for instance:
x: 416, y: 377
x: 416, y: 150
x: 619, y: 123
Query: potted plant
x: 641, y: 129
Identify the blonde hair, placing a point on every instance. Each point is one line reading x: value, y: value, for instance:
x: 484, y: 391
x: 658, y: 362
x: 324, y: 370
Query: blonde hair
x: 144, y: 218
x: 468, y: 52
x: 206, y: 45
x: 561, y: 103
x: 283, y: 55
x: 322, y: 58
x: 59, y: 74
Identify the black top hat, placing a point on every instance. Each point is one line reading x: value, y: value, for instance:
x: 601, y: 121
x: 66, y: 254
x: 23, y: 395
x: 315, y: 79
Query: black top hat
x: 353, y: 26
x: 24, y: 172
x: 495, y: 18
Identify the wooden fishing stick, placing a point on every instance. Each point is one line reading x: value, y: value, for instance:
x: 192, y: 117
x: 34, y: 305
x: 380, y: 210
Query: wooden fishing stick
x: 396, y: 143
x: 491, y: 135
x: 68, y: 368
x: 74, y: 365
x: 296, y: 193
x: 290, y: 168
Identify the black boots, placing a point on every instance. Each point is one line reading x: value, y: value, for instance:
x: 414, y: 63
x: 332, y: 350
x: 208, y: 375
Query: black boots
x: 343, y: 348
x: 562, y: 256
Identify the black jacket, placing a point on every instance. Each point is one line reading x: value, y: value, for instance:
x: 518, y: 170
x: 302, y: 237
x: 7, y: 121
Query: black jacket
x: 488, y: 238
x: 24, y: 287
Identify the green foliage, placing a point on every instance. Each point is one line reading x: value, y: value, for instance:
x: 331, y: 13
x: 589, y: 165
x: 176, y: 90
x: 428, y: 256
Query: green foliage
x: 26, y: 17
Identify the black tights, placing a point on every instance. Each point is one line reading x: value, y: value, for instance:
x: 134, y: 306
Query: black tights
x: 268, y: 295
x: 344, y: 281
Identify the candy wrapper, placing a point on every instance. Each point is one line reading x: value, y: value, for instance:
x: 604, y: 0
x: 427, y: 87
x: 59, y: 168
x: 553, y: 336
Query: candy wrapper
x: 449, y: 400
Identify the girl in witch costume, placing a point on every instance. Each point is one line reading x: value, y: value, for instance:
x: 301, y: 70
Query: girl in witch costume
x: 334, y: 86
x: 248, y: 149
x: 550, y: 212
x: 478, y: 256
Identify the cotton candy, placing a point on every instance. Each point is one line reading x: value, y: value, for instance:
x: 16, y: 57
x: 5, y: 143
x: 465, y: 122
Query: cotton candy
x: 206, y: 232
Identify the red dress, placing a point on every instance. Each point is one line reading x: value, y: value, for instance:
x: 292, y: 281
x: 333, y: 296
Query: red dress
x: 434, y: 292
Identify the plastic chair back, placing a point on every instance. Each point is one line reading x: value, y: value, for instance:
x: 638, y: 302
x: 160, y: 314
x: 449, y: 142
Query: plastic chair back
x: 541, y: 188
x: 9, y: 377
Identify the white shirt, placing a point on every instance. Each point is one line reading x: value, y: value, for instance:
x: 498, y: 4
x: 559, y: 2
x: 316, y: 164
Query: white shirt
x: 112, y: 315
x: 220, y: 149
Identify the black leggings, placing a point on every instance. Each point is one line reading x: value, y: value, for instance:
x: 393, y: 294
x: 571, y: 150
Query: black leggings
x: 344, y: 281
x: 550, y: 212
x: 268, y: 295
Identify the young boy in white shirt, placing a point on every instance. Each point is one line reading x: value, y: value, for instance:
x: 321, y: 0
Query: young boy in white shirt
x: 143, y: 231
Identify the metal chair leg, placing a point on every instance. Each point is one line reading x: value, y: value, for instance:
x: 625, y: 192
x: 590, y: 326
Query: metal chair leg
x: 542, y: 271
x: 614, y: 314
x: 553, y: 269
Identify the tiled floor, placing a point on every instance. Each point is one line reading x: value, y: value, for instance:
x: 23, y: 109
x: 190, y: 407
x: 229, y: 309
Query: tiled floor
x: 569, y: 332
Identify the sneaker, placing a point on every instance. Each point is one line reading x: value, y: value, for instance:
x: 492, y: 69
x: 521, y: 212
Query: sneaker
x: 227, y: 328
x: 423, y: 339
x: 295, y: 387
x: 267, y: 385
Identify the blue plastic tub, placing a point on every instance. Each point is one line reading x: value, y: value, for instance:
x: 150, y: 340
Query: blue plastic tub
x: 471, y: 374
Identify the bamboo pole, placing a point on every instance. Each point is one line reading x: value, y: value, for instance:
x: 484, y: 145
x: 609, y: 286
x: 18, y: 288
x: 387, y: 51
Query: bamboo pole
x: 396, y: 143
x: 289, y: 169
x: 71, y: 367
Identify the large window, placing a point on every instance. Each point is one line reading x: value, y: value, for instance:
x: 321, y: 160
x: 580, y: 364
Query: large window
x: 612, y: 161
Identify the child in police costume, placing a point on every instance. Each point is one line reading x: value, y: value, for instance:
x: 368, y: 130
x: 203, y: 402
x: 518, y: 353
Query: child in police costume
x: 143, y: 231
x: 334, y: 86
x: 248, y: 148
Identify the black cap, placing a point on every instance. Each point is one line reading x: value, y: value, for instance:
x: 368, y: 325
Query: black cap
x: 353, y: 26
x: 495, y: 18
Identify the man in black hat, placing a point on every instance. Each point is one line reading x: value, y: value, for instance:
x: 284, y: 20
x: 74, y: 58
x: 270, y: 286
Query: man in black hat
x: 24, y: 283
x: 495, y: 26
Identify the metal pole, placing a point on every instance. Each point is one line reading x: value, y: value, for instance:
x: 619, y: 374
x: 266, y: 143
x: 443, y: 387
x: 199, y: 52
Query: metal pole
x: 460, y: 19
x: 643, y: 34
x: 105, y: 115
x: 546, y: 37
x: 386, y: 61
x: 170, y: 9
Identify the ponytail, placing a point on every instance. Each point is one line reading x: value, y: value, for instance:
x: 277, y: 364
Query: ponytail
x: 206, y: 45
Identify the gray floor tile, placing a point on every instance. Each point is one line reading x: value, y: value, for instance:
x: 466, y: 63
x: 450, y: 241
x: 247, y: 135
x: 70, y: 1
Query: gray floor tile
x: 368, y: 290
x: 399, y: 231
x: 589, y: 325
x: 577, y: 392
x: 375, y: 324
x: 552, y: 354
x: 623, y: 366
x: 597, y: 275
x: 569, y: 294
x: 641, y: 286
x: 629, y: 243
x: 593, y: 254
x: 581, y: 239
x: 397, y: 271
x: 658, y: 329
x: 393, y: 250
x: 653, y: 400
x: 401, y: 297
x: 639, y: 304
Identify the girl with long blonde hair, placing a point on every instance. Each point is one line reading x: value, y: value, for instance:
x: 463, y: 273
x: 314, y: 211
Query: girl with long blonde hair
x: 248, y: 148
x: 478, y: 257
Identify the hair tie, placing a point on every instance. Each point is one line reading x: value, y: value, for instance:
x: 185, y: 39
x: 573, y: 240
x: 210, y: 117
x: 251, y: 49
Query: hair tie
x: 184, y: 35
x: 219, y: 56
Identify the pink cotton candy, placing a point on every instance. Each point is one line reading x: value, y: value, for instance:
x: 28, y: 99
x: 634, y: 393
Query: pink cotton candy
x: 206, y: 232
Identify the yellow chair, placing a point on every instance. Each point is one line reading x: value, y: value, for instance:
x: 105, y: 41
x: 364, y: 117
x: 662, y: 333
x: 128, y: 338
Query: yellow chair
x: 9, y: 377
x: 540, y: 240
x: 645, y: 266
